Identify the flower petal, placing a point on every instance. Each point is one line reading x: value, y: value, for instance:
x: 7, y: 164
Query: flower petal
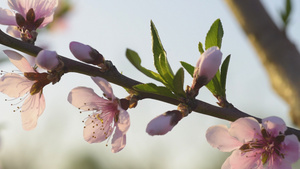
x: 19, y: 6
x: 14, y: 85
x: 42, y: 8
x: 291, y: 149
x: 123, y: 123
x: 97, y: 128
x: 19, y: 61
x: 45, y: 8
x: 47, y: 20
x: 239, y: 160
x: 105, y: 87
x: 7, y: 17
x: 118, y: 141
x: 274, y: 125
x: 245, y: 129
x: 85, y: 99
x: 280, y: 165
x: 13, y: 31
x: 32, y: 108
x: 226, y: 164
x: 219, y: 137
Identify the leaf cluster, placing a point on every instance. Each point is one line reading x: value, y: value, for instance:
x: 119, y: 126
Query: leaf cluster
x: 174, y: 83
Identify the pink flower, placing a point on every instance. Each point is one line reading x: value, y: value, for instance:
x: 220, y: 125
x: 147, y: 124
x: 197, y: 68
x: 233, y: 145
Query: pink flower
x: 28, y: 15
x: 28, y: 88
x: 108, y: 116
x: 254, y: 145
x: 206, y: 67
x: 163, y: 123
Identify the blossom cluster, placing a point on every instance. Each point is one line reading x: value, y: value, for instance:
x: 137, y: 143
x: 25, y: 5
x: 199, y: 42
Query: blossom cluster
x: 255, y: 145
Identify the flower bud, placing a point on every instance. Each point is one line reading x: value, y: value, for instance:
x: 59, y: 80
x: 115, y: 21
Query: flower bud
x: 207, y: 66
x: 86, y: 53
x: 47, y: 60
x: 163, y: 123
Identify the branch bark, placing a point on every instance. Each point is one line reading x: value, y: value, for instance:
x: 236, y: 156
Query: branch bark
x: 277, y: 53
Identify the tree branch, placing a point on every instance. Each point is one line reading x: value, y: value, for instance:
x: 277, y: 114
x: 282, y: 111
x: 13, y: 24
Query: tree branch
x: 279, y: 56
x: 113, y: 76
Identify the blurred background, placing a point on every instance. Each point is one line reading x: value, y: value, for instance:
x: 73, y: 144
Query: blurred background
x: 111, y: 27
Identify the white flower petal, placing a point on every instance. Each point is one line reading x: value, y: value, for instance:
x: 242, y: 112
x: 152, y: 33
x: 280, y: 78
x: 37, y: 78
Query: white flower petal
x: 274, y: 125
x: 13, y: 31
x: 7, y: 17
x: 219, y: 137
x: 123, y: 123
x: 118, y: 141
x: 19, y: 61
x: 85, y: 99
x: 15, y: 85
x: 97, y: 130
x: 32, y: 108
x: 245, y: 129
x: 104, y: 86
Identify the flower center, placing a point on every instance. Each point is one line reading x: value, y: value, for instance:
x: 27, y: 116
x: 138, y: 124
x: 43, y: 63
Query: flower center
x: 269, y: 146
x: 28, y: 26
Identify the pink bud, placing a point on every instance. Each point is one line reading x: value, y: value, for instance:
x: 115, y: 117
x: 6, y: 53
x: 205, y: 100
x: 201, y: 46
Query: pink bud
x: 47, y: 59
x: 207, y: 66
x: 86, y: 53
x: 163, y: 123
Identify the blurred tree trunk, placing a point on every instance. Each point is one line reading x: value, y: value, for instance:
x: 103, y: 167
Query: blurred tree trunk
x: 278, y: 55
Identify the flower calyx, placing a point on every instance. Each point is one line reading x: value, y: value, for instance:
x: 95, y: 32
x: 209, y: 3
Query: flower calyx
x: 41, y: 81
x: 184, y: 109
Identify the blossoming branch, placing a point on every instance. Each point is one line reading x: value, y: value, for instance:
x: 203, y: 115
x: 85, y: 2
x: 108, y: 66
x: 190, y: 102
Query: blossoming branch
x: 255, y: 143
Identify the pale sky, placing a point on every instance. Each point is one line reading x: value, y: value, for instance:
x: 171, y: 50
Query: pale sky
x: 111, y: 27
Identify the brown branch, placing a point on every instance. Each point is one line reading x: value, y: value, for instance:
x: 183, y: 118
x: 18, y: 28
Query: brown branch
x: 115, y: 77
x: 279, y: 56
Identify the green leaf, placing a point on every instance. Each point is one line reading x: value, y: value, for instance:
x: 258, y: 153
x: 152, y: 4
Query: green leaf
x: 214, y: 85
x: 200, y: 47
x: 286, y: 14
x: 189, y: 68
x: 134, y: 58
x: 160, y: 58
x: 165, y: 70
x: 224, y: 70
x: 178, y: 83
x: 152, y: 88
x: 214, y: 35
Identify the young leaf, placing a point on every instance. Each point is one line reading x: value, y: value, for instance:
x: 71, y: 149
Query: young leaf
x: 157, y: 47
x: 214, y: 35
x: 224, y: 69
x: 152, y: 88
x: 134, y: 58
x: 165, y: 70
x: 189, y: 68
x: 200, y: 47
x: 214, y: 85
x: 178, y: 83
x: 285, y: 15
x: 160, y: 58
